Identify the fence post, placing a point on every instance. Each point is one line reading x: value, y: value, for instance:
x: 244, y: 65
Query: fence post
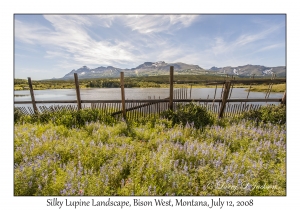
x: 225, y: 97
x: 77, y: 91
x: 123, y: 94
x: 32, y: 96
x: 283, y: 100
x: 171, y: 87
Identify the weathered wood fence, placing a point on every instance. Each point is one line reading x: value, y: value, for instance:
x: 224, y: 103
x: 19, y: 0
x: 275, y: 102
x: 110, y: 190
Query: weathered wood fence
x: 141, y: 108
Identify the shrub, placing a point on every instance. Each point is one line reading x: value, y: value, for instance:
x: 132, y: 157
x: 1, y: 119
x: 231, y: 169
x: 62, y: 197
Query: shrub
x: 65, y: 117
x: 17, y: 114
x: 142, y: 160
x: 190, y: 113
x: 267, y: 114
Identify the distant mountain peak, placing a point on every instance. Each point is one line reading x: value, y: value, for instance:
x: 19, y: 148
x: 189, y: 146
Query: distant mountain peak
x: 163, y: 68
x: 147, y: 68
x: 249, y: 70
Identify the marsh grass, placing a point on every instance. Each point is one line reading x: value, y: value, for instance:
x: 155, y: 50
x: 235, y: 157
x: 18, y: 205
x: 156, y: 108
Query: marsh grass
x: 277, y: 88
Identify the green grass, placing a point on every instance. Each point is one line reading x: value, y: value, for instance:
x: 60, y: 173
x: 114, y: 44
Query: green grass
x: 277, y: 88
x: 161, y: 81
x: 154, y: 157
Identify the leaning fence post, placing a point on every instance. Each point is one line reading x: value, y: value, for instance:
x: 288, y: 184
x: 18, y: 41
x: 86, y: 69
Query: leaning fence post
x: 32, y: 96
x: 123, y: 94
x: 77, y: 91
x: 283, y: 100
x: 171, y: 87
x: 225, y: 97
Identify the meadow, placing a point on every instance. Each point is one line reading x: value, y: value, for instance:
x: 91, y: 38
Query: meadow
x: 81, y: 153
x: 182, y: 81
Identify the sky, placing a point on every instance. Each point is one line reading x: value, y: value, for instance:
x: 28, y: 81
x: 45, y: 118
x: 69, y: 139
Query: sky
x: 47, y: 46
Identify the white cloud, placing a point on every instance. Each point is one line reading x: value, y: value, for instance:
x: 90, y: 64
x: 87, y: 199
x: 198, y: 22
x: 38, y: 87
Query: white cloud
x: 57, y: 54
x: 247, y: 41
x: 70, y: 40
x: 146, y: 24
x: 29, y: 33
x: 270, y: 47
x: 74, y: 41
x: 103, y: 20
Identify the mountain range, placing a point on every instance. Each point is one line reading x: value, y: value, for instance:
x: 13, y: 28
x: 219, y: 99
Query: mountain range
x: 163, y: 68
x: 248, y: 70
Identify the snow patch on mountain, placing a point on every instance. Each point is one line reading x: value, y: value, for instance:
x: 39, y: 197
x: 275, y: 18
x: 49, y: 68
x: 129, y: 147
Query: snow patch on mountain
x: 236, y: 72
x: 268, y: 71
x: 158, y: 63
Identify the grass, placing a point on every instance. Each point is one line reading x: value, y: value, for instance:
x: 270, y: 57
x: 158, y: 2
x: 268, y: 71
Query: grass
x: 263, y: 88
x: 140, y: 82
x: 154, y: 157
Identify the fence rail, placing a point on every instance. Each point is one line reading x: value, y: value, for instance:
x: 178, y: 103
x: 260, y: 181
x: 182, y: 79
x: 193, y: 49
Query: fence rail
x: 137, y: 110
x: 221, y: 106
x: 209, y: 100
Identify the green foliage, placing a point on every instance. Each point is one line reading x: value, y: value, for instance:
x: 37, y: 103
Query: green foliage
x: 139, y: 82
x: 17, y: 114
x: 130, y: 82
x: 267, y: 114
x: 154, y: 158
x: 65, y: 117
x: 190, y: 114
x: 265, y: 88
x: 22, y: 84
x: 89, y: 153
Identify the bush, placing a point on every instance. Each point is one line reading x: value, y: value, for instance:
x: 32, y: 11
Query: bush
x: 65, y: 117
x: 190, y: 113
x: 142, y: 160
x: 17, y: 114
x: 267, y: 114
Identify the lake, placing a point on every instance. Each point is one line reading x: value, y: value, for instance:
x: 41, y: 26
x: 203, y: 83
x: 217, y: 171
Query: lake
x: 130, y: 93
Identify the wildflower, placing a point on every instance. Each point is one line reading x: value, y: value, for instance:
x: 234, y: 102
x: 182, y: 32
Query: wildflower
x: 63, y: 192
x: 218, y: 163
x: 240, y: 175
x: 185, y: 168
x: 68, y: 185
x: 149, y: 190
x: 228, y: 180
x: 81, y: 192
x: 248, y: 187
x: 176, y: 162
x: 173, y: 184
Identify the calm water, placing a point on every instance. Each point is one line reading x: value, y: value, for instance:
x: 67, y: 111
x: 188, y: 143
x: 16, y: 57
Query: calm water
x: 130, y: 93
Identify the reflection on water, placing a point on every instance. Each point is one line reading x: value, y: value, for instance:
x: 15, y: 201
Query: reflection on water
x: 16, y: 95
x: 131, y: 93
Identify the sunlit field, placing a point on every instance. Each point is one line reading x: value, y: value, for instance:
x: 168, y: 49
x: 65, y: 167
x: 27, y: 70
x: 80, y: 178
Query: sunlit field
x: 244, y: 155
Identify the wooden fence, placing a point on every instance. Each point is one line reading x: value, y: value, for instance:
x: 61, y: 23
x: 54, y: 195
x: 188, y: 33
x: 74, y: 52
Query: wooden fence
x: 141, y: 108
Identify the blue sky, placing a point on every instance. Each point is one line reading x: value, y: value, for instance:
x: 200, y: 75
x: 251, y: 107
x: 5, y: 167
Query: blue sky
x: 48, y: 46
